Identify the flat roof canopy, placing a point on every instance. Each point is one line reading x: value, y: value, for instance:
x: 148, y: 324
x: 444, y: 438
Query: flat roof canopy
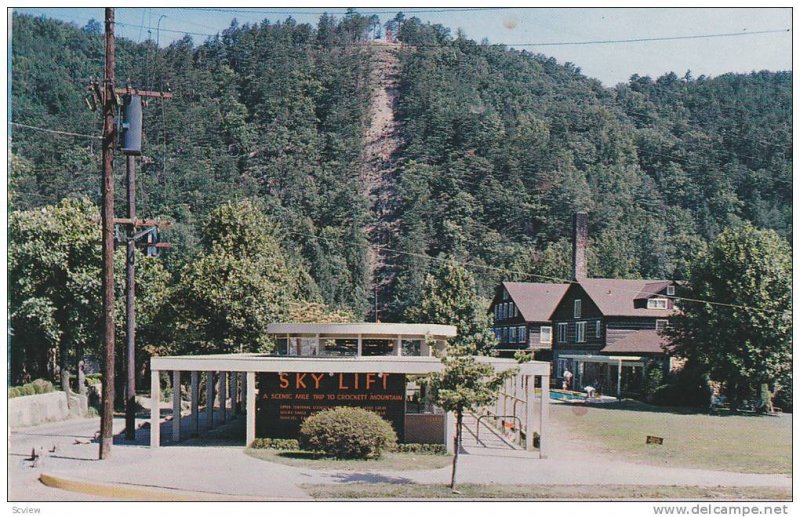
x: 387, y: 364
x: 607, y: 359
x: 367, y: 329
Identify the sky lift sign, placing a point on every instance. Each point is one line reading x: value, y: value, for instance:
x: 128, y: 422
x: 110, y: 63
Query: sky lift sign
x: 286, y: 399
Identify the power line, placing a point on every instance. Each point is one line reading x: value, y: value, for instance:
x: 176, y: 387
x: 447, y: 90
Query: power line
x: 385, y: 11
x: 521, y: 273
x: 639, y: 40
x: 540, y: 44
x: 65, y: 133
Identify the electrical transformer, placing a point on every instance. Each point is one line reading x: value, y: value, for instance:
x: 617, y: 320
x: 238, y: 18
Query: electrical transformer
x: 131, y: 128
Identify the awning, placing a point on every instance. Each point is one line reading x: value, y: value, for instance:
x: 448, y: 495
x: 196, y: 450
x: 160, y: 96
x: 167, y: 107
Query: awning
x: 618, y: 360
x: 625, y: 360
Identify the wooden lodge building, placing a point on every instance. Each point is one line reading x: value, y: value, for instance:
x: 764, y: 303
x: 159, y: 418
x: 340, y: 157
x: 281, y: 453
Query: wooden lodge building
x: 605, y: 331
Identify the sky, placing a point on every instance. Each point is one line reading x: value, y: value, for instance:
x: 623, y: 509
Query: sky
x: 554, y: 32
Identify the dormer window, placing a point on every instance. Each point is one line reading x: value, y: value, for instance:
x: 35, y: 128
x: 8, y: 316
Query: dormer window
x: 576, y: 312
x: 670, y: 290
x: 505, y: 295
x: 657, y: 303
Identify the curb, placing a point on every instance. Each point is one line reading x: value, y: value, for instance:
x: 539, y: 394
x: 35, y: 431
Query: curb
x: 131, y: 493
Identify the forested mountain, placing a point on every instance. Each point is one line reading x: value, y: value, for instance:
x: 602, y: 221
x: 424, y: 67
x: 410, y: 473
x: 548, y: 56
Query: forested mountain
x: 499, y: 148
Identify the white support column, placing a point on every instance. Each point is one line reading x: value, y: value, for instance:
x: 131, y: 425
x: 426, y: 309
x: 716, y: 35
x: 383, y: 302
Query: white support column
x: 399, y: 350
x: 530, y: 396
x: 619, y: 380
x: 176, y: 405
x: 250, y: 383
x: 209, y: 400
x: 223, y: 396
x: 195, y: 404
x: 358, y: 349
x: 155, y: 413
x: 449, y: 431
x: 544, y: 418
x: 498, y: 407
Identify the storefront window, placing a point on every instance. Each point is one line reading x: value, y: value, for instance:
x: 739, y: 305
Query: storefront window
x: 281, y: 346
x: 302, y: 346
x: 338, y: 347
x: 412, y: 347
x: 374, y: 347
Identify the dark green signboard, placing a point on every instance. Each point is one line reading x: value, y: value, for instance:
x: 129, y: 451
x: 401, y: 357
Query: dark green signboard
x: 286, y: 399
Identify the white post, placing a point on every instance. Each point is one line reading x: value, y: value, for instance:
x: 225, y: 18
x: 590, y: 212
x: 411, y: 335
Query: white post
x: 155, y: 413
x: 544, y: 418
x: 195, y: 403
x: 358, y: 351
x: 223, y: 395
x: 449, y: 431
x: 399, y: 350
x: 176, y: 405
x: 619, y: 380
x: 498, y: 407
x: 209, y: 400
x: 530, y: 395
x: 250, y: 382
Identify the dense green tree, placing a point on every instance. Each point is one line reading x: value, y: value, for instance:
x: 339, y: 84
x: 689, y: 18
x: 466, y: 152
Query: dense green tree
x: 55, y: 303
x: 745, y: 340
x: 450, y: 298
x: 239, y: 283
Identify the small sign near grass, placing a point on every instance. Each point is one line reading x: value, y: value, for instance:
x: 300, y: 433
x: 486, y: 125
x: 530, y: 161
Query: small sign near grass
x: 654, y: 440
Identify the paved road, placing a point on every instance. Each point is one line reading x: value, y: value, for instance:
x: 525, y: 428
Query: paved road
x: 217, y: 465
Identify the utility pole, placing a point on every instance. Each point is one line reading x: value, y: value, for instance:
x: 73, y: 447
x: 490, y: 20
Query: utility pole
x: 132, y: 147
x: 130, y: 309
x: 109, y: 130
x: 109, y: 101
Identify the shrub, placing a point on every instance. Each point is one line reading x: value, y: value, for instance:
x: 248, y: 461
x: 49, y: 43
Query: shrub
x: 783, y: 399
x: 653, y: 380
x: 347, y: 432
x: 94, y: 378
x: 422, y: 448
x: 276, y: 443
x: 13, y: 392
x: 27, y: 390
x: 42, y: 386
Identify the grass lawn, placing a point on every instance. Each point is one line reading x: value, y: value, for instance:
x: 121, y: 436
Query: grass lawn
x: 559, y: 492
x: 756, y: 444
x: 387, y: 461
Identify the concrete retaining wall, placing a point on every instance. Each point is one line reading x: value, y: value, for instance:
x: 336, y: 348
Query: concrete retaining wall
x: 424, y: 428
x: 47, y: 407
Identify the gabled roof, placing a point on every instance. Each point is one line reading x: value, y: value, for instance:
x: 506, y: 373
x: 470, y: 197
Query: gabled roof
x: 536, y: 301
x: 614, y: 297
x: 639, y: 342
x: 652, y: 288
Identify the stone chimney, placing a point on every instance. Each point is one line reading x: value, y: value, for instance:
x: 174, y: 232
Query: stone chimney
x: 580, y: 238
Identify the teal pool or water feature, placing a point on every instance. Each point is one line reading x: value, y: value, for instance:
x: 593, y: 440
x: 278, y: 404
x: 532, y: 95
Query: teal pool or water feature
x: 565, y: 395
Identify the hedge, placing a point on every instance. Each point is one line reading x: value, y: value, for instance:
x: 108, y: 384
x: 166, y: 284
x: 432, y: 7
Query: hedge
x: 36, y: 387
x: 285, y: 444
